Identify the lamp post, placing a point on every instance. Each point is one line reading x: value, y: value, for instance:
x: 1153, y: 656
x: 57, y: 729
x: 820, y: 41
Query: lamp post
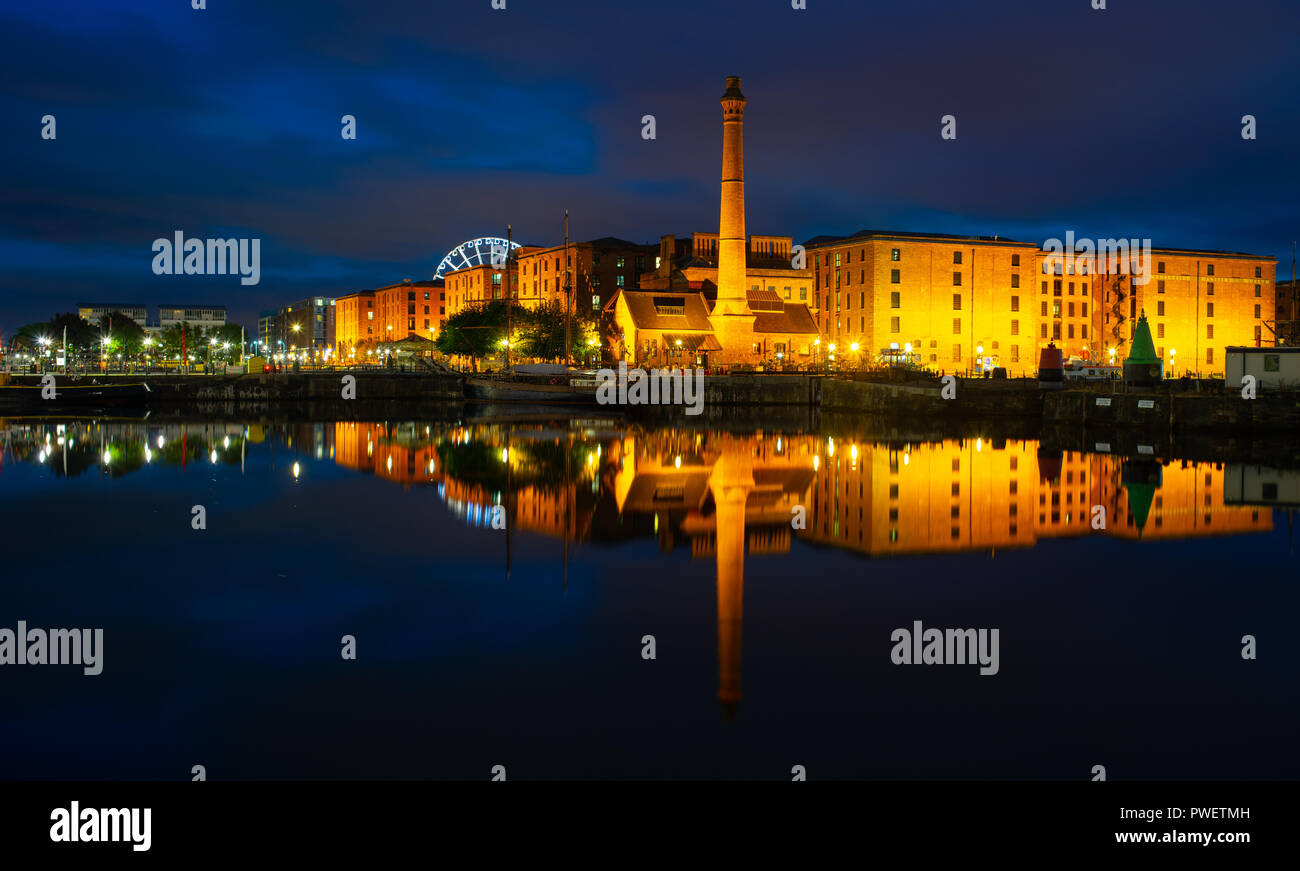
x: 979, y: 359
x: 856, y: 360
x: 1172, y: 352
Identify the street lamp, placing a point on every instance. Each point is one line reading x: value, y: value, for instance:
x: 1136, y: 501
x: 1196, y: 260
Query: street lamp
x: 1172, y: 352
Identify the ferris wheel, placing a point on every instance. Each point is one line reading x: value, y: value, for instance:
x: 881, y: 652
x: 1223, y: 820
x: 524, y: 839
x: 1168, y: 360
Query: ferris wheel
x: 476, y: 252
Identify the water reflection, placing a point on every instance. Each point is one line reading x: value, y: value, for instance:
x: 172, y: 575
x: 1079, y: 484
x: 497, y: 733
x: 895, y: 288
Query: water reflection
x: 723, y: 496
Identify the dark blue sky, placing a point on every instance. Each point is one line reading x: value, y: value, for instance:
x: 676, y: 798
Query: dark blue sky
x: 225, y: 122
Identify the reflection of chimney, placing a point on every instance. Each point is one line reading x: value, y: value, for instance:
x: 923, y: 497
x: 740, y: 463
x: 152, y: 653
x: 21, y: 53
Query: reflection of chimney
x: 730, y: 482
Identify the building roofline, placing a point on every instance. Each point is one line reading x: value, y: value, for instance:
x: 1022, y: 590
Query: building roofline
x: 907, y: 236
x: 826, y: 241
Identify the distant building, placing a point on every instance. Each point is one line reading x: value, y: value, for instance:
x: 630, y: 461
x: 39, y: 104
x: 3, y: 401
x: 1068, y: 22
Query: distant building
x: 208, y: 317
x: 594, y: 272
x: 307, y: 324
x: 1287, y: 322
x: 267, y: 329
x: 93, y: 311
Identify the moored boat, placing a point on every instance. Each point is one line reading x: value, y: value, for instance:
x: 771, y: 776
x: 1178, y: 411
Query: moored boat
x: 538, y: 383
x: 64, y: 395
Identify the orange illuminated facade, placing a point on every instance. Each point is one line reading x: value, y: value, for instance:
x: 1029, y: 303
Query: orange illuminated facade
x: 392, y: 313
x: 944, y: 298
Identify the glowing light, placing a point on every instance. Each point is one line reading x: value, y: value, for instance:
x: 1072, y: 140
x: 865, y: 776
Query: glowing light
x: 161, y: 441
x: 148, y: 454
x: 505, y: 455
x: 678, y: 462
x: 389, y: 464
x: 831, y: 347
x: 853, y: 347
x: 297, y: 470
x: 213, y: 455
x: 225, y: 443
x: 853, y: 453
x: 817, y: 462
x: 108, y: 458
x: 40, y: 458
x: 906, y: 459
x: 979, y: 444
x: 907, y: 347
x: 830, y: 447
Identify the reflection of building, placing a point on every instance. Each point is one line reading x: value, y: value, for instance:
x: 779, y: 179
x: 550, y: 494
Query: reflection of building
x: 726, y: 494
x: 1261, y: 486
x: 402, y: 453
x: 978, y: 495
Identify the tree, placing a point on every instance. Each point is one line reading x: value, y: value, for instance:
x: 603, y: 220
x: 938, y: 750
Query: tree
x: 475, y: 331
x: 169, y: 340
x: 82, y: 336
x: 28, y: 336
x: 540, y: 333
x: 125, y: 335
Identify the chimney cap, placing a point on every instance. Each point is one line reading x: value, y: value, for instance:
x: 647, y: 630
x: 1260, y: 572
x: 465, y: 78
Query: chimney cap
x: 733, y: 89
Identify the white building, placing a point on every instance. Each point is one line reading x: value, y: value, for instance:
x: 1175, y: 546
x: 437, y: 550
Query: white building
x: 206, y: 316
x: 1273, y: 368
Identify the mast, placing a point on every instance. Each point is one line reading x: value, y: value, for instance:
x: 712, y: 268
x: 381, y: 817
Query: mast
x: 568, y: 296
x: 506, y: 284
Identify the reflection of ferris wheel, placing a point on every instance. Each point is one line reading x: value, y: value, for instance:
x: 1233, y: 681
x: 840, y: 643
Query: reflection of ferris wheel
x: 475, y: 252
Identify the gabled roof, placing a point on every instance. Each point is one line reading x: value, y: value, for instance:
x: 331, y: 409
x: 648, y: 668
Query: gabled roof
x: 764, y: 300
x: 795, y: 318
x: 650, y: 310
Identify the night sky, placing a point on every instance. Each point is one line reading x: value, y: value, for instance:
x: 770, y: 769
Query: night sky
x: 226, y: 122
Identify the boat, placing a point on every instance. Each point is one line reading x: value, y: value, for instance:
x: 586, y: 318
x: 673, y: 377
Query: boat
x: 31, y: 396
x: 535, y: 383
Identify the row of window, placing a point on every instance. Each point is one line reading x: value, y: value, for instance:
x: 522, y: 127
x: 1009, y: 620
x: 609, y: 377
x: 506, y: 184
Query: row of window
x: 895, y: 254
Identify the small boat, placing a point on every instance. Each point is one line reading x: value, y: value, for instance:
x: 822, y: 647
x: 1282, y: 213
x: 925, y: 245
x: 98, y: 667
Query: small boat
x: 537, y: 383
x: 30, y: 396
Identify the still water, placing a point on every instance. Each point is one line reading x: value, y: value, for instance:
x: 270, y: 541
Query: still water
x: 770, y: 568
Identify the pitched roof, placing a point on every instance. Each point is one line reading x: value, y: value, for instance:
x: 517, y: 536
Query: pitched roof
x: 794, y: 318
x: 665, y: 310
x: 764, y: 300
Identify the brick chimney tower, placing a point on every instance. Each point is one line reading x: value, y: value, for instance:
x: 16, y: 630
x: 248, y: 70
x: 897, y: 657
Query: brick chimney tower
x: 733, y: 322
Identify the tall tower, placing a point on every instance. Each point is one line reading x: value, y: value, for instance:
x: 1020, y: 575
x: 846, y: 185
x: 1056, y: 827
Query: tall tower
x: 732, y: 319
